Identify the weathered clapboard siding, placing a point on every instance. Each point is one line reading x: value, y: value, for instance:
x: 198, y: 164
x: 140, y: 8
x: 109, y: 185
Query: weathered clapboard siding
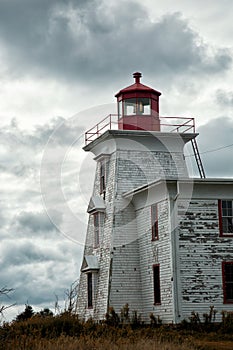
x: 101, y: 301
x: 136, y: 168
x: 81, y: 306
x: 155, y: 252
x: 133, y: 169
x: 201, y: 252
x: 125, y: 280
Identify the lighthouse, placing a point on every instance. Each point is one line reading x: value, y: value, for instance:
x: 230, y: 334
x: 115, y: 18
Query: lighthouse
x: 140, y: 229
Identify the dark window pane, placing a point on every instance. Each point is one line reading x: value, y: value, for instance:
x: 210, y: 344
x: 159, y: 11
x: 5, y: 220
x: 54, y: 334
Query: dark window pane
x: 224, y: 204
x: 157, y: 297
x: 102, y: 177
x: 230, y: 225
x: 228, y: 285
x: 89, y: 290
x: 96, y: 220
x: 154, y: 221
x: 224, y: 212
x: 224, y: 225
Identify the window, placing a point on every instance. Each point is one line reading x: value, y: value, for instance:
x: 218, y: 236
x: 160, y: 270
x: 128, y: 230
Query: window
x: 130, y: 106
x: 227, y: 274
x: 156, y: 277
x: 119, y: 109
x: 137, y: 106
x: 225, y: 208
x: 89, y: 291
x: 144, y: 106
x: 154, y: 222
x: 98, y: 225
x: 103, y: 177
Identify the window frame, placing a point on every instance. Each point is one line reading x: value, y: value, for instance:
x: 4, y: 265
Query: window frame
x: 98, y: 221
x: 103, y: 177
x: 221, y: 218
x: 225, y: 282
x: 156, y: 284
x: 90, y: 290
x: 154, y: 222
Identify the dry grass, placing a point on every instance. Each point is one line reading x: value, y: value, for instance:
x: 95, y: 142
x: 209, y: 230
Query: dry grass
x: 67, y: 332
x: 214, y: 345
x: 86, y: 343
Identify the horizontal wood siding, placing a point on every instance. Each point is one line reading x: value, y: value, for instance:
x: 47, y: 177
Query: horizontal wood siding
x: 135, y: 168
x: 201, y: 252
x: 155, y: 252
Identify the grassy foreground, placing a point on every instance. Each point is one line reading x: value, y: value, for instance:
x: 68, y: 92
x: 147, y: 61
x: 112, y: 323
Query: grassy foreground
x: 67, y: 332
x: 86, y: 343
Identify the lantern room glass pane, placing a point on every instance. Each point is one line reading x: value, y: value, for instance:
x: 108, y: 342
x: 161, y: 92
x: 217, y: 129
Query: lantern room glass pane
x: 137, y: 106
x: 119, y: 109
x: 130, y: 106
x: 144, y: 106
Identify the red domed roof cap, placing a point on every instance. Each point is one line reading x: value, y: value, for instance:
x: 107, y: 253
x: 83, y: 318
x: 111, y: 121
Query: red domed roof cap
x: 137, y: 86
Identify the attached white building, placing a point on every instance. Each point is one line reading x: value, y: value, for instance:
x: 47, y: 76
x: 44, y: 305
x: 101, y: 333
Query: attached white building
x: 156, y: 238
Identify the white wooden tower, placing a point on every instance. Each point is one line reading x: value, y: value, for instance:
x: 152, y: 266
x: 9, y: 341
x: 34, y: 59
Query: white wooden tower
x: 128, y: 254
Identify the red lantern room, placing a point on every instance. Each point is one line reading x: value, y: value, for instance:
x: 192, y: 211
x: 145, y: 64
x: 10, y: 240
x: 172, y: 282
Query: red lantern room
x: 138, y: 107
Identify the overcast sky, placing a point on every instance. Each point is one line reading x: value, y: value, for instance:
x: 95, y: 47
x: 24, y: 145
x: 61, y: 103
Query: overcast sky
x: 61, y: 62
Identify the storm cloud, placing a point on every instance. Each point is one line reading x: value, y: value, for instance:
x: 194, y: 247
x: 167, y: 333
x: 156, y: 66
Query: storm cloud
x: 33, y: 250
x: 82, y: 40
x: 216, y: 145
x: 224, y: 98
